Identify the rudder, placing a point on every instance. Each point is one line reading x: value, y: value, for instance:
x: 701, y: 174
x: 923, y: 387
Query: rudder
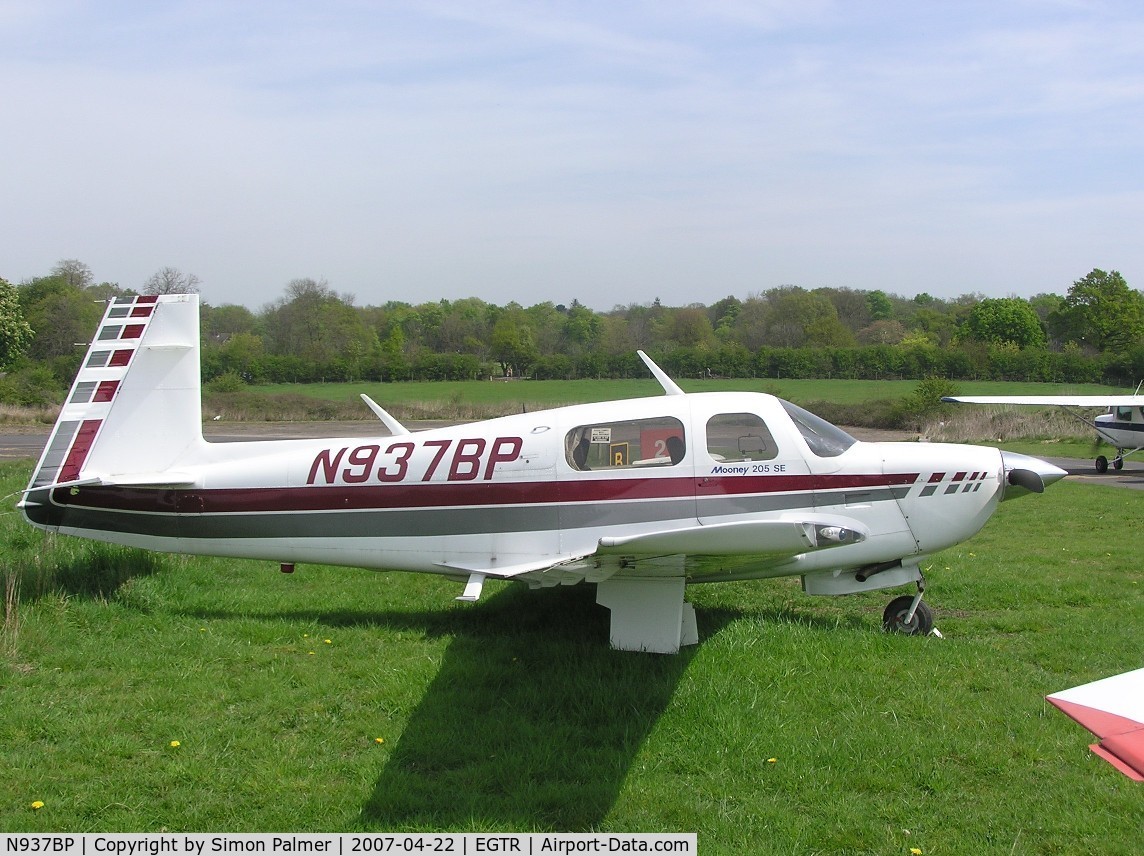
x: 135, y: 407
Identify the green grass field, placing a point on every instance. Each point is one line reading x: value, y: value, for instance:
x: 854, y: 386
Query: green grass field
x: 344, y: 700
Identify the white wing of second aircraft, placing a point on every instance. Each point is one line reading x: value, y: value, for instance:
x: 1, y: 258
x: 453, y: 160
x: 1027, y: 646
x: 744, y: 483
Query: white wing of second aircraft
x: 1052, y: 400
x: 1113, y: 710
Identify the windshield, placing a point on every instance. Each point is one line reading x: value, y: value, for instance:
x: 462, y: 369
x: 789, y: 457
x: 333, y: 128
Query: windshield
x: 824, y: 439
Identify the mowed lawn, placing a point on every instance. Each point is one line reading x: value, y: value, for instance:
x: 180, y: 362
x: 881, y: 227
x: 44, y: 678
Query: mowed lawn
x: 340, y: 700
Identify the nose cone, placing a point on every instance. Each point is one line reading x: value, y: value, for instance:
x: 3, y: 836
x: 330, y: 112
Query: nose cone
x: 1026, y: 474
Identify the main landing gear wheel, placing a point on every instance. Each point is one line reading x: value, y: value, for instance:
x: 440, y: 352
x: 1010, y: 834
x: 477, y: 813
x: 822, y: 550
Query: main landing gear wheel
x: 1101, y: 464
x: 1118, y: 463
x: 894, y: 618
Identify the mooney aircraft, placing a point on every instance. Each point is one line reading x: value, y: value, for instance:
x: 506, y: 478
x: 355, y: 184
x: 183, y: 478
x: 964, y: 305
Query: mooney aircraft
x: 639, y: 497
x: 1122, y: 427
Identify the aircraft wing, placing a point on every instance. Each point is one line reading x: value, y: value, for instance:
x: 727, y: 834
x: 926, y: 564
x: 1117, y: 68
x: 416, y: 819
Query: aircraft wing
x: 756, y: 537
x: 759, y: 537
x: 1051, y: 400
x: 1113, y: 710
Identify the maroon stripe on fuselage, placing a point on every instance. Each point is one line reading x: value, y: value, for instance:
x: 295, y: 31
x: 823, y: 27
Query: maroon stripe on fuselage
x: 788, y: 484
x: 354, y: 498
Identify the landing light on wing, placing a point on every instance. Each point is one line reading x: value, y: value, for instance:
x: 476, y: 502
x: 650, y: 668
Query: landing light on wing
x: 837, y: 534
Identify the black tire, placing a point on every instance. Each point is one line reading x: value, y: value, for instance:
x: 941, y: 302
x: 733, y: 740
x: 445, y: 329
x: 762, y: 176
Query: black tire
x: 893, y: 619
x: 1101, y: 464
x: 1118, y: 463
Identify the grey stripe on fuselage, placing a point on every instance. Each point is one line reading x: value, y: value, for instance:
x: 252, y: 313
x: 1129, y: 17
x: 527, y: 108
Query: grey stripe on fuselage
x: 430, y: 522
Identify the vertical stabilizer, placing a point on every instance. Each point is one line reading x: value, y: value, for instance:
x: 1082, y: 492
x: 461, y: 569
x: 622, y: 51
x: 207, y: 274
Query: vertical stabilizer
x: 135, y: 405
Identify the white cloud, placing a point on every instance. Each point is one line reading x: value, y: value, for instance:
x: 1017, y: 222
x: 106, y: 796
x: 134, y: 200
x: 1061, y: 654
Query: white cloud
x: 613, y: 153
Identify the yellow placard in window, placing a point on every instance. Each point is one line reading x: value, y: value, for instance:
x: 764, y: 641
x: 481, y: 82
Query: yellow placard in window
x: 619, y: 454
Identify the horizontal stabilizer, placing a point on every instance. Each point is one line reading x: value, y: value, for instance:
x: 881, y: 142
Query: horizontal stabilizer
x: 1113, y: 710
x: 167, y: 479
x: 756, y: 537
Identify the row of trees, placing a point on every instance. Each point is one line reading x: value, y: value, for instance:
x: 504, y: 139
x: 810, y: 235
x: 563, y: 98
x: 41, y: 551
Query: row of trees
x: 1094, y: 332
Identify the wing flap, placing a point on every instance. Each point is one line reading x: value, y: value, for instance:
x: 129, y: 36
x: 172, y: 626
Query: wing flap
x: 491, y: 567
x: 1125, y: 752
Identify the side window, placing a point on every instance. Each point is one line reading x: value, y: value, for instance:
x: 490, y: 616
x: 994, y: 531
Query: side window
x: 654, y: 442
x: 739, y: 437
x: 1123, y: 414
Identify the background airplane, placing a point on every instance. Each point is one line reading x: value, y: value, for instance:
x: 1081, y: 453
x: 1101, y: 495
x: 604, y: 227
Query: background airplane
x: 1113, y: 710
x: 640, y: 497
x: 1121, y: 427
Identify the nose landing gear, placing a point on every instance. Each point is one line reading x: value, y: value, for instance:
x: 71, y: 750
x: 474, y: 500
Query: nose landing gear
x: 908, y: 614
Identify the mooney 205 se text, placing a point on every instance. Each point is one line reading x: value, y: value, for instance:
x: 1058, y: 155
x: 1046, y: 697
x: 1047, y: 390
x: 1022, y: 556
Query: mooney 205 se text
x: 640, y: 497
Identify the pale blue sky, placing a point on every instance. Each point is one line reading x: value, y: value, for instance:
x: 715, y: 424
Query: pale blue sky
x: 607, y: 151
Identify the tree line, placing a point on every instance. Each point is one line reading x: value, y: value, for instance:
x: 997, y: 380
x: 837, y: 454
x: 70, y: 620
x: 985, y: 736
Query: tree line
x: 1094, y: 332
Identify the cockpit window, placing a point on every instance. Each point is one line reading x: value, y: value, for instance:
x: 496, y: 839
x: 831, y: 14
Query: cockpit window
x: 739, y: 437
x: 824, y: 439
x: 652, y: 442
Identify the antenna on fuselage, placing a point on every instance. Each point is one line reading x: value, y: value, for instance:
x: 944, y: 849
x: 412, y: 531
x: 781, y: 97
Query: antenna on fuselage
x: 392, y: 424
x: 670, y: 387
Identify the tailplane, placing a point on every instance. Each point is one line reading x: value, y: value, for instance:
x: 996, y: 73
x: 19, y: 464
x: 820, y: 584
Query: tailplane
x: 135, y: 408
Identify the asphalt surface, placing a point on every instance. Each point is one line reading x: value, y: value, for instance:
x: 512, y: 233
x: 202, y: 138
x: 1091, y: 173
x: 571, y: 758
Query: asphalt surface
x: 18, y: 446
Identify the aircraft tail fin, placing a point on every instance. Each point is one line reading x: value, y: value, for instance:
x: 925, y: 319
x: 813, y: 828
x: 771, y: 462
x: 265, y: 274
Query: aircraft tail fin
x: 135, y: 405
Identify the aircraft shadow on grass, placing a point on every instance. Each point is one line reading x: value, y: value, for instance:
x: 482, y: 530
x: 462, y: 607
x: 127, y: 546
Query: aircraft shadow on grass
x: 97, y: 571
x: 532, y: 721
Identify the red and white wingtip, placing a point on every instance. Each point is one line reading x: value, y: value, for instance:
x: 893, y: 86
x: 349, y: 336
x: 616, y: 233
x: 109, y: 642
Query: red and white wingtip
x: 1113, y: 710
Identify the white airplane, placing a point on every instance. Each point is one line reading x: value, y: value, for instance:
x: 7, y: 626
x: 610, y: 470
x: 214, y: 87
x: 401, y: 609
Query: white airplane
x: 1122, y: 427
x: 640, y: 497
x: 1113, y: 710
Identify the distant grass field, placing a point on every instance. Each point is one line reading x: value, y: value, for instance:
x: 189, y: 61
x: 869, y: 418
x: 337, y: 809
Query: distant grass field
x: 341, y: 700
x: 548, y: 393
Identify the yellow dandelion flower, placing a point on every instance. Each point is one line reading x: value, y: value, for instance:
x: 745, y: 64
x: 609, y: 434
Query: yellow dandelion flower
x: 311, y: 653
x: 175, y: 744
x: 379, y: 740
x: 37, y: 805
x: 305, y: 635
x: 916, y: 851
x: 328, y: 641
x: 772, y: 760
